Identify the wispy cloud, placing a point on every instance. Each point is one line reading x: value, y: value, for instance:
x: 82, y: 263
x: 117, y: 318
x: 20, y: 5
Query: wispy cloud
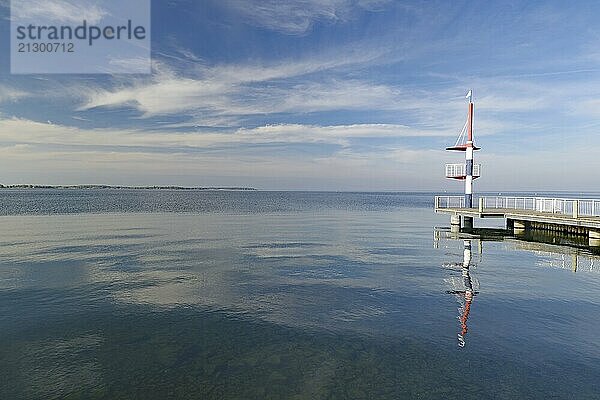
x: 365, y: 101
x: 8, y: 94
x: 165, y: 93
x: 297, y: 16
x: 64, y: 11
x: 27, y: 132
x: 338, y: 95
x: 35, y: 149
x: 267, y: 151
x: 232, y: 89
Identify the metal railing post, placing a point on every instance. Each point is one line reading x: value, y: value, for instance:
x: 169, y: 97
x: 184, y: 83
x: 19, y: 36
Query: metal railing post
x: 575, y: 208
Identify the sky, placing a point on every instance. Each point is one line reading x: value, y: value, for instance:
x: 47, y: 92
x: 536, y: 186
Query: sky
x: 321, y: 95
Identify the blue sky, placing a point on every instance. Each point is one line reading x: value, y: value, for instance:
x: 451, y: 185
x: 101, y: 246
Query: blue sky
x: 321, y: 94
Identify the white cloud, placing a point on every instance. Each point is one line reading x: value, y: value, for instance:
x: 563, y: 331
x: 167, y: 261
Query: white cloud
x: 229, y: 90
x: 139, y: 65
x: 222, y: 96
x: 165, y: 94
x: 30, y: 151
x: 297, y: 16
x: 27, y: 132
x: 63, y: 11
x: 340, y: 95
x: 343, y: 171
x: 8, y: 94
x: 338, y: 134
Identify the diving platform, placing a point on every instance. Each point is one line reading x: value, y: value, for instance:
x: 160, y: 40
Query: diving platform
x: 568, y: 216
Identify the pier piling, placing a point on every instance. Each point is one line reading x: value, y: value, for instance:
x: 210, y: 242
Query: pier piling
x: 594, y: 237
x: 455, y: 223
x: 467, y: 224
x: 519, y: 227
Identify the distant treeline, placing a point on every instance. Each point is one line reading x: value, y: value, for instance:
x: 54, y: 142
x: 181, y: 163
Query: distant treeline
x: 119, y: 187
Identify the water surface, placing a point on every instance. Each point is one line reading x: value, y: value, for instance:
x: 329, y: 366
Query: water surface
x: 256, y: 295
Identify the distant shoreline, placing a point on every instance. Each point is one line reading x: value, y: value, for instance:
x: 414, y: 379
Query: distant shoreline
x: 91, y: 187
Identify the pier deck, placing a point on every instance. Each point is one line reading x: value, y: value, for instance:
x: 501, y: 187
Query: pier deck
x: 578, y: 216
x: 524, y: 215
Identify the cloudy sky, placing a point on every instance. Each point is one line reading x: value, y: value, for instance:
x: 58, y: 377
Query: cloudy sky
x: 320, y: 94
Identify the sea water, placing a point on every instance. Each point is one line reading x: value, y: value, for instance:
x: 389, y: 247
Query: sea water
x: 158, y: 294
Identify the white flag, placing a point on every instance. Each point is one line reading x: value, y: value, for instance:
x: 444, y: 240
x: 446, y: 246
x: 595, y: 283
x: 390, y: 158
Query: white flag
x: 470, y: 94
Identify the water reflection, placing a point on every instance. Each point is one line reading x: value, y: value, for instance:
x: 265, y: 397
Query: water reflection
x: 575, y: 259
x: 552, y: 251
x: 330, y: 305
x: 281, y: 270
x: 557, y: 254
x: 463, y: 289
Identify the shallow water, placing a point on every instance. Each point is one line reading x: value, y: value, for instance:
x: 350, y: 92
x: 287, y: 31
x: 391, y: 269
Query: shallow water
x: 255, y: 295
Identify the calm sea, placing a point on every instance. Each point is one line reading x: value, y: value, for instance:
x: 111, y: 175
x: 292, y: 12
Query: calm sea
x: 117, y: 294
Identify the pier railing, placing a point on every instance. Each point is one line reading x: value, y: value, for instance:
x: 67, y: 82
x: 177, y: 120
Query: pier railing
x: 570, y: 207
x: 449, y: 201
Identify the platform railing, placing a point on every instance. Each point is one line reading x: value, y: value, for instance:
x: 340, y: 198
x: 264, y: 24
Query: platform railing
x: 564, y: 206
x: 460, y: 170
x: 509, y: 202
x: 449, y: 201
x: 589, y: 207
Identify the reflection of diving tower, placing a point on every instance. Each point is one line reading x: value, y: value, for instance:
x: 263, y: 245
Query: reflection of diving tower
x: 467, y: 171
x: 469, y: 293
x: 465, y: 291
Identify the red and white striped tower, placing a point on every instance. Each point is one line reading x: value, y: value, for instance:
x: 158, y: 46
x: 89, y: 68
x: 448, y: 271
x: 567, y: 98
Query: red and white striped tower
x: 469, y: 155
x: 469, y: 171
